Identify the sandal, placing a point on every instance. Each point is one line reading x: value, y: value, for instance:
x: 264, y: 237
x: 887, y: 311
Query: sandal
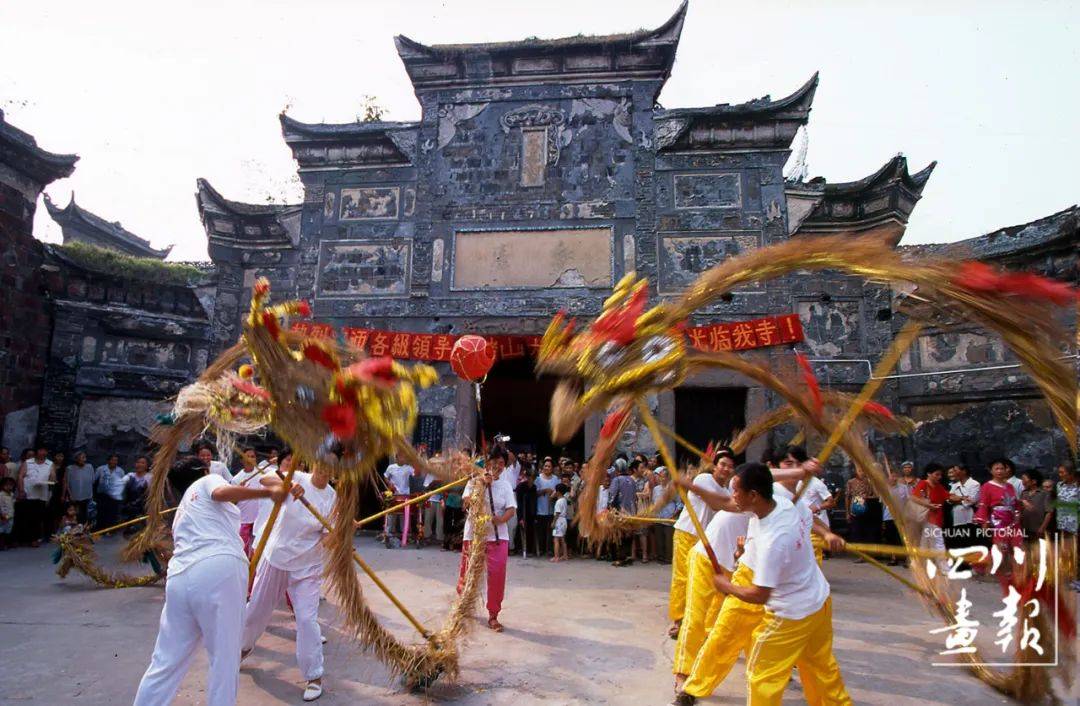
x: 312, y: 691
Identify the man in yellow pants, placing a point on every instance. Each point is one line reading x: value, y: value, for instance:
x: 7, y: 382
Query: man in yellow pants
x: 702, y: 600
x: 803, y: 636
x: 684, y: 540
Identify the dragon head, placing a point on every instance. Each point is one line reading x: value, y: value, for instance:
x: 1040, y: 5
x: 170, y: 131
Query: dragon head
x: 331, y: 403
x: 626, y: 351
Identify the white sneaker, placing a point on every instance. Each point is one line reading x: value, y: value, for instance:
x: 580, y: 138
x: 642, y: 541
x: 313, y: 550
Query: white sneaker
x: 323, y: 638
x: 312, y: 691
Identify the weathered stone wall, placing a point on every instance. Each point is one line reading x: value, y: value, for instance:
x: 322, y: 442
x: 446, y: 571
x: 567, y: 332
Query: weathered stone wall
x: 123, y: 346
x: 25, y: 320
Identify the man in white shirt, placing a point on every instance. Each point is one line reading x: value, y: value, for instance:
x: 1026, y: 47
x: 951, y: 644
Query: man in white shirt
x: 35, y: 479
x: 249, y: 476
x: 684, y: 540
x: 1010, y: 477
x: 397, y: 479
x: 963, y: 496
x: 292, y: 563
x: 797, y: 627
x: 204, y: 596
x: 501, y: 504
x: 702, y: 603
x: 817, y: 495
x: 109, y: 492
x: 206, y: 458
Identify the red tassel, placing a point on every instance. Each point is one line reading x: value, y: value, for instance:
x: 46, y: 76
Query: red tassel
x: 379, y: 370
x: 878, y: 409
x: 613, y: 422
x: 262, y: 287
x: 271, y: 323
x: 303, y: 309
x: 980, y: 277
x: 620, y: 325
x: 316, y: 354
x: 709, y: 451
x: 811, y: 382
x: 341, y: 418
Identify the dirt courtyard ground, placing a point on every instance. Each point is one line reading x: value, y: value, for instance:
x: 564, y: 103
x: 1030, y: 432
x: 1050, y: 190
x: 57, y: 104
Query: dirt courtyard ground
x: 577, y: 632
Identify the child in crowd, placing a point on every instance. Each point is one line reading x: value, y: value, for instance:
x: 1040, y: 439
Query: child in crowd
x: 558, y: 532
x: 7, y: 511
x: 70, y: 520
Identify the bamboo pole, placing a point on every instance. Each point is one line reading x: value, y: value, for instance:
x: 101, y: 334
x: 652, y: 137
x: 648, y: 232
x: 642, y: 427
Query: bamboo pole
x: 888, y: 361
x: 874, y: 562
x: 411, y: 501
x: 680, y: 440
x: 654, y: 520
x: 122, y: 525
x: 368, y: 570
x: 650, y: 422
x: 254, y: 563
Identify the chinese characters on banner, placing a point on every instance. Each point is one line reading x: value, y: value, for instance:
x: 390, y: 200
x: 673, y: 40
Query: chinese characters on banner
x: 739, y: 336
x: 1015, y: 618
x: 744, y: 335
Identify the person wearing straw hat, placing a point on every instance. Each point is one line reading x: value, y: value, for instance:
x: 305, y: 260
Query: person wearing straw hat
x: 292, y: 565
x: 204, y: 596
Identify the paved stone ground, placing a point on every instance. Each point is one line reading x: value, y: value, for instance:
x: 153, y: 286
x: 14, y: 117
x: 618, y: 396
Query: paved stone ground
x: 578, y: 632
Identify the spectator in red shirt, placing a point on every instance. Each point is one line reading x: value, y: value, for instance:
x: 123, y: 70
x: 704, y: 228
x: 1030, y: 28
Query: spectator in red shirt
x: 932, y: 494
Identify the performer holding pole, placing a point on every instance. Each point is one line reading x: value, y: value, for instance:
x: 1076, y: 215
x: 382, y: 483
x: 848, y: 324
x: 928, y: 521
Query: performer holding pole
x: 204, y: 596
x: 503, y: 505
x: 293, y: 564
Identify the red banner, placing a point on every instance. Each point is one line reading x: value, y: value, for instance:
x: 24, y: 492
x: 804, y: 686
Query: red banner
x: 744, y: 335
x: 739, y: 336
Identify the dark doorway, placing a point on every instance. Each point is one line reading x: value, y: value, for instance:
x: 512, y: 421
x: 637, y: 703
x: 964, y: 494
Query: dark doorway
x: 704, y: 414
x: 517, y: 404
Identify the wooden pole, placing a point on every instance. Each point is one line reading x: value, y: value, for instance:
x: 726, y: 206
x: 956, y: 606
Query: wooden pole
x: 411, y: 501
x: 650, y: 422
x: 888, y: 361
x: 122, y: 525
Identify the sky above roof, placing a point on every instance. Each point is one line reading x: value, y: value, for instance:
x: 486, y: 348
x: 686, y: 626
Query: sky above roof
x: 152, y: 99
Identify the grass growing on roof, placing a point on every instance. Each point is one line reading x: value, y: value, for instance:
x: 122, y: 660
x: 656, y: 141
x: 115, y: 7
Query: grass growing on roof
x: 142, y: 268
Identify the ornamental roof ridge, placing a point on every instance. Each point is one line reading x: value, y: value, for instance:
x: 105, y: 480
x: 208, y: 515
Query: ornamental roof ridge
x: 110, y: 230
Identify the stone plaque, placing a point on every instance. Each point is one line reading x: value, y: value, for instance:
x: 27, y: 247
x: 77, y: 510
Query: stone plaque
x: 532, y: 259
x: 683, y: 256
x: 708, y: 190
x: 533, y: 156
x: 369, y: 203
x: 832, y: 328
x: 945, y: 350
x: 353, y: 268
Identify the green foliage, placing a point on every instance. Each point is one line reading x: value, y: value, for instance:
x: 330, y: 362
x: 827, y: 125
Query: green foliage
x: 121, y: 265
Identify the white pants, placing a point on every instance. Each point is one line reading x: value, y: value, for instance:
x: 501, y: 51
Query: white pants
x: 203, y: 603
x: 268, y: 593
x: 934, y: 540
x: 433, y: 520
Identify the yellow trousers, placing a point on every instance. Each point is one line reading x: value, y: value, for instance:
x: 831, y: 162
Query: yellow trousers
x: 702, y: 604
x: 779, y: 645
x: 731, y: 634
x: 818, y: 543
x: 681, y: 544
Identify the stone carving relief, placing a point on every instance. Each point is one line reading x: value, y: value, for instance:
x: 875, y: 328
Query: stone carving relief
x: 358, y: 268
x: 369, y: 203
x: 720, y: 190
x: 539, y: 116
x: 668, y: 131
x: 451, y: 115
x: 682, y: 257
x: 601, y: 108
x: 328, y: 206
x: 404, y: 140
x: 832, y: 328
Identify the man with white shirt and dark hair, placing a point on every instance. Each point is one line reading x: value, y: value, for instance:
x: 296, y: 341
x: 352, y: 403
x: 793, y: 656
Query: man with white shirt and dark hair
x: 204, y: 596
x: 501, y: 503
x: 206, y: 458
x: 292, y: 564
x: 397, y: 479
x: 796, y: 629
x: 248, y: 476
